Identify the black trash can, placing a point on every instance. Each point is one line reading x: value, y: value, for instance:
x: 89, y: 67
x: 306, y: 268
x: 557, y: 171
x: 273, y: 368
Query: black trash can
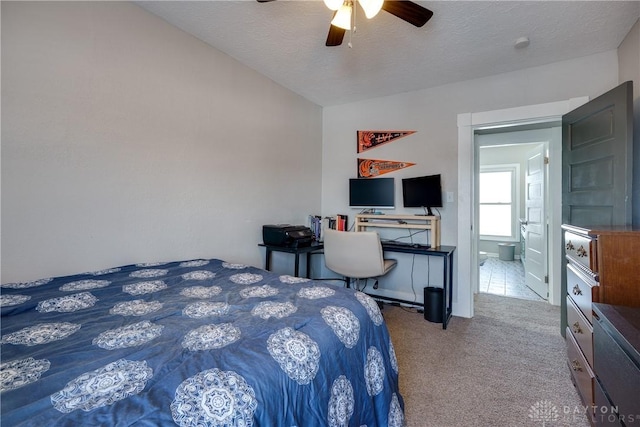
x: 433, y: 304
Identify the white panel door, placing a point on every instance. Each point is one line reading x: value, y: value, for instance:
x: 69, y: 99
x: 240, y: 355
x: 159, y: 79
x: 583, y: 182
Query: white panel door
x: 535, y: 265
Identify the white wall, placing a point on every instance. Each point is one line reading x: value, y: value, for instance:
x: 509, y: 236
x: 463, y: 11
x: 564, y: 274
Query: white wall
x: 433, y: 114
x: 126, y: 140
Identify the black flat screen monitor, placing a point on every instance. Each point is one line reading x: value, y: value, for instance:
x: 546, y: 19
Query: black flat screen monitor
x: 422, y: 192
x: 366, y: 193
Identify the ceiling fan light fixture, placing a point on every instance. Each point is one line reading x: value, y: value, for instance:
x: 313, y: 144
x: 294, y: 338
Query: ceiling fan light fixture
x: 371, y: 7
x: 333, y: 4
x: 343, y: 17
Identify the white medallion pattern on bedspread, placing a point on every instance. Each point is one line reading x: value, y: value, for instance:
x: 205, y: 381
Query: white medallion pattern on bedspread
x: 21, y: 372
x: 68, y: 303
x: 316, y: 292
x: 136, y: 307
x: 214, y: 398
x: 9, y: 300
x: 115, y: 381
x: 194, y: 343
x: 84, y: 285
x: 343, y: 323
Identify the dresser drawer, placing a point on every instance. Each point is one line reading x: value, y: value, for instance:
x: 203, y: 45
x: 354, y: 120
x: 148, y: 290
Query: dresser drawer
x: 580, y: 370
x: 580, y: 329
x: 604, y: 411
x: 619, y: 375
x: 581, y: 249
x: 581, y: 288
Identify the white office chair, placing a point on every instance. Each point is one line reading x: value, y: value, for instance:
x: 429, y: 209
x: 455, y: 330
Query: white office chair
x: 355, y: 255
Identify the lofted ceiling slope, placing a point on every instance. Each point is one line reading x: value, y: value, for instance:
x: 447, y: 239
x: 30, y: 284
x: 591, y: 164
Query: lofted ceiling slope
x: 284, y: 40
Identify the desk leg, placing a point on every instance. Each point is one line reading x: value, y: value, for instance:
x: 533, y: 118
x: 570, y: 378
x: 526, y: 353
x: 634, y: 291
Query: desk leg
x: 267, y: 259
x: 445, y: 262
x: 308, y: 265
x: 447, y: 301
x: 297, y: 265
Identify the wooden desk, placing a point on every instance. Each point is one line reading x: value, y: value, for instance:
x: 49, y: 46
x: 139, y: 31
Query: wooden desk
x: 428, y: 223
x: 309, y: 250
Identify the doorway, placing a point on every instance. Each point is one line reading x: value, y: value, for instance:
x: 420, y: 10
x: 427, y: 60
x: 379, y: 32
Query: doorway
x: 511, y: 197
x: 467, y: 251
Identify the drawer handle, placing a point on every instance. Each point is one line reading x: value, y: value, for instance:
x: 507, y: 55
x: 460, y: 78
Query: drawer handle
x: 576, y: 328
x: 582, y: 252
x: 575, y: 365
x: 570, y: 246
x: 577, y: 291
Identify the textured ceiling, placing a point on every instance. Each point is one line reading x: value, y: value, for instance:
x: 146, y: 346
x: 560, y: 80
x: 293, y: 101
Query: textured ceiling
x: 284, y: 40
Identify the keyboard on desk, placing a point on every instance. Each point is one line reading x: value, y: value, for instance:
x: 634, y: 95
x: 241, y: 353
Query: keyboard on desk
x: 397, y: 244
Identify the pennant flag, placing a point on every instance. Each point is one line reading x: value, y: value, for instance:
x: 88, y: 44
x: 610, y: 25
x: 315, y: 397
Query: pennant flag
x: 368, y: 139
x: 369, y: 168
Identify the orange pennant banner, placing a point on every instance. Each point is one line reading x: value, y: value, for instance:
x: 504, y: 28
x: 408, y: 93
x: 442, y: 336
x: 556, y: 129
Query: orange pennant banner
x: 368, y: 139
x: 369, y: 168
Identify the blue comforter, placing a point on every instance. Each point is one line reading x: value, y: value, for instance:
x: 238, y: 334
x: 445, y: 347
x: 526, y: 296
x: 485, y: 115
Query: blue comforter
x: 194, y: 343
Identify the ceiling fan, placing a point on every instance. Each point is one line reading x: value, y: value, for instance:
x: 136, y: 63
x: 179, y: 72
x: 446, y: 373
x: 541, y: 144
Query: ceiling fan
x: 342, y: 19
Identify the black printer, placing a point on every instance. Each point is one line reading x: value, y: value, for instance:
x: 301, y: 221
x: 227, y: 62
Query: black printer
x: 294, y: 236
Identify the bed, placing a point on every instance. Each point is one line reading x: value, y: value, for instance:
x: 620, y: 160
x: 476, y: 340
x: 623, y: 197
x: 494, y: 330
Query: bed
x: 194, y: 343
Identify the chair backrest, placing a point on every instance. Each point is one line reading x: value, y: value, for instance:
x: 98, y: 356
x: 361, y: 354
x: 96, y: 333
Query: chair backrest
x: 353, y: 254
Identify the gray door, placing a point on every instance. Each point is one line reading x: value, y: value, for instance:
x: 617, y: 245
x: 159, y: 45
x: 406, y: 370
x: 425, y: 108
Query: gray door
x: 597, y: 160
x: 597, y: 164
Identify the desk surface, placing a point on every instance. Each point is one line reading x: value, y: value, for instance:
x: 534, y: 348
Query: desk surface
x: 423, y: 250
x: 315, y: 246
x: 386, y: 246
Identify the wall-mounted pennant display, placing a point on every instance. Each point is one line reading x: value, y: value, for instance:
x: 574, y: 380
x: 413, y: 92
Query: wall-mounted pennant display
x: 370, y: 168
x: 368, y: 139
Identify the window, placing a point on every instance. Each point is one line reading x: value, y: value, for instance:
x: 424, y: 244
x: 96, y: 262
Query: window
x: 498, y: 205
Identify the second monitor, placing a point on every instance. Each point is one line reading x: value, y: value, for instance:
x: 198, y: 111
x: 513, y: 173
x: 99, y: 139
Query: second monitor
x: 422, y: 192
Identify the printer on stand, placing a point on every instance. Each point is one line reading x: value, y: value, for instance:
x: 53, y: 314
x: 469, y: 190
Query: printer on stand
x: 293, y: 236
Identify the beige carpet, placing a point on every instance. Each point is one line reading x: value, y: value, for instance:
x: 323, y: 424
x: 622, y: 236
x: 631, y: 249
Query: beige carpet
x: 505, y: 367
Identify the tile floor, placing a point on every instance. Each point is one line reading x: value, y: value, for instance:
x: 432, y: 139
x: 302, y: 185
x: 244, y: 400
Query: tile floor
x: 505, y: 278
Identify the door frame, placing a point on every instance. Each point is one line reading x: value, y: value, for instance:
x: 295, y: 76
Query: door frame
x: 467, y: 242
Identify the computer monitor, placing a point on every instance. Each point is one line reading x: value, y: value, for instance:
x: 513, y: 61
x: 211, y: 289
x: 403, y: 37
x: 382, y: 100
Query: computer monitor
x: 372, y: 193
x: 422, y: 192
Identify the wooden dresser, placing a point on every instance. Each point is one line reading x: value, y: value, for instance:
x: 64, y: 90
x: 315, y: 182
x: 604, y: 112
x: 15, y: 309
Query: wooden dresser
x: 603, y: 266
x: 616, y: 347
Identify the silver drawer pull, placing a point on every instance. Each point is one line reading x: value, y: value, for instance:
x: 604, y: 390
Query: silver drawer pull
x: 582, y: 252
x: 570, y: 246
x: 577, y: 291
x: 576, y: 328
x: 575, y: 365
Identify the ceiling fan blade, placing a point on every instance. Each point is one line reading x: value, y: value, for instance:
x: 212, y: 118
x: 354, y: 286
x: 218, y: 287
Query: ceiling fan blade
x: 408, y: 11
x: 335, y: 36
